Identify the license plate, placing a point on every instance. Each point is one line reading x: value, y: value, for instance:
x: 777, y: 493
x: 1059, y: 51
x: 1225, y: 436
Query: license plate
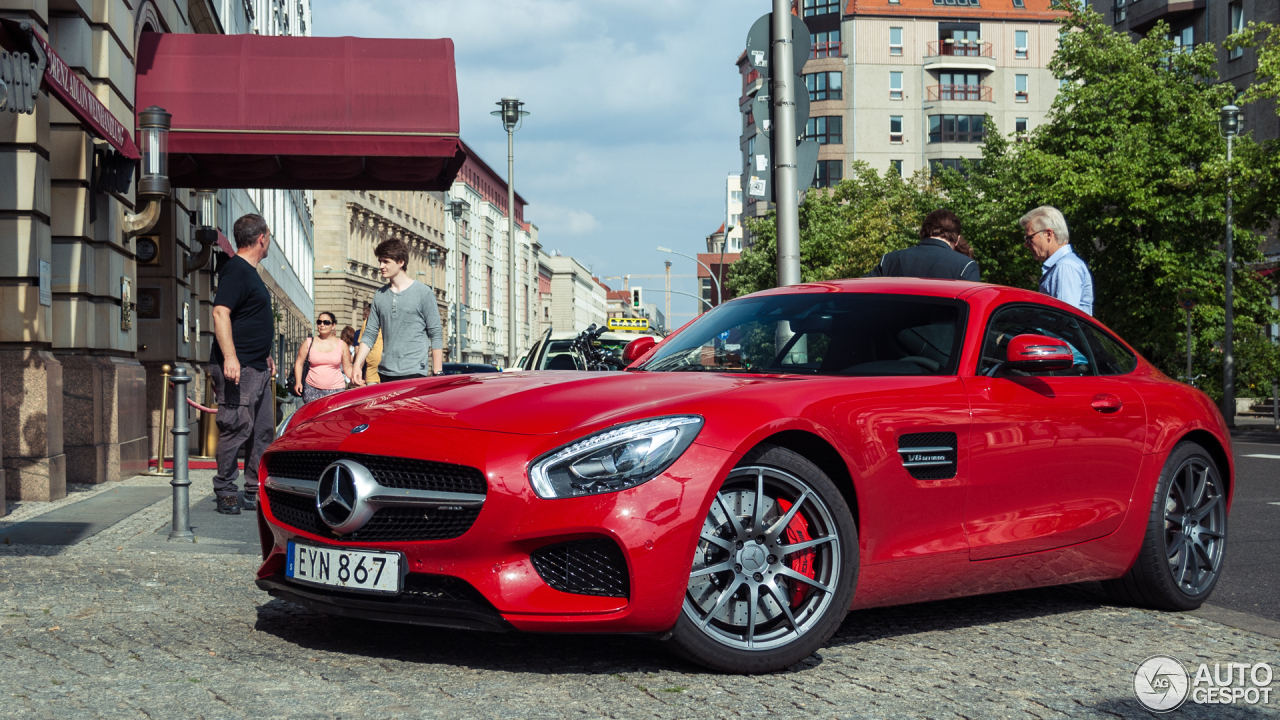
x: 362, y: 570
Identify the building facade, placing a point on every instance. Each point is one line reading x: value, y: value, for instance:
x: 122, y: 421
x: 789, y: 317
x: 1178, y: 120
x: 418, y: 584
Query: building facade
x: 577, y: 299
x: 477, y: 275
x: 349, y: 225
x: 91, y: 314
x: 905, y: 85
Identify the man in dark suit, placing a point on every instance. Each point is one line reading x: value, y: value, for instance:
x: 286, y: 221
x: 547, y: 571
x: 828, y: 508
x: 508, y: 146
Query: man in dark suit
x: 942, y: 253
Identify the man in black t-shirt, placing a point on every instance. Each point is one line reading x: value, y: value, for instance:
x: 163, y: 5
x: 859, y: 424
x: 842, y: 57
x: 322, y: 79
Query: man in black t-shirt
x: 242, y: 366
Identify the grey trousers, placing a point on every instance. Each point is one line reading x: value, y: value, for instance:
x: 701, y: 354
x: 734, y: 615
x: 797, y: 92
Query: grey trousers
x: 245, y: 416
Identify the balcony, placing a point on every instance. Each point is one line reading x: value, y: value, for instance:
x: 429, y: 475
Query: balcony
x: 971, y: 93
x: 960, y: 55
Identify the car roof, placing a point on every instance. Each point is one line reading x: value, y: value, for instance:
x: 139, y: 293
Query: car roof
x: 894, y: 285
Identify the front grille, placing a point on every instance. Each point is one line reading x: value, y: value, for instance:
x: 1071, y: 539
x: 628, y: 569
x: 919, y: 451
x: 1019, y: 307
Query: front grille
x: 442, y: 588
x: 584, y: 567
x: 392, y: 472
x: 935, y: 439
x: 388, y: 524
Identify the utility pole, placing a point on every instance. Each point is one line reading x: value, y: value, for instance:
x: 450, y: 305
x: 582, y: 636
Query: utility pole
x: 783, y: 78
x: 666, y: 318
x: 511, y: 114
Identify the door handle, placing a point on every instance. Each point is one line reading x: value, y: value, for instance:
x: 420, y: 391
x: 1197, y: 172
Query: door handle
x: 1106, y: 403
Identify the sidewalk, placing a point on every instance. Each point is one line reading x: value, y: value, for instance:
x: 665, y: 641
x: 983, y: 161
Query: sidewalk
x: 135, y: 513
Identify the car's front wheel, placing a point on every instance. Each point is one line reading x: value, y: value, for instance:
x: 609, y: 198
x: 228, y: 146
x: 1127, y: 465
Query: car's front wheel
x: 1181, y: 556
x: 775, y: 567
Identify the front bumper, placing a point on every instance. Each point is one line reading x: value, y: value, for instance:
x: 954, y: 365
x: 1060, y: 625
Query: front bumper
x: 655, y: 525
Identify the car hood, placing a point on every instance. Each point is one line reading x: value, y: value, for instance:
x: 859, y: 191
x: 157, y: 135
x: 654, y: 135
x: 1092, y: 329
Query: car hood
x: 527, y: 403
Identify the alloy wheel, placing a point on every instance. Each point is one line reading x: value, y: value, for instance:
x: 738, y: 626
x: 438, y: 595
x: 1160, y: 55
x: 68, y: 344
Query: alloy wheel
x: 767, y: 563
x: 1195, y: 519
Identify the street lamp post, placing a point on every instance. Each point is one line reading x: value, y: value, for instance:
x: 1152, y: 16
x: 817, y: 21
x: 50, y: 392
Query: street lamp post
x: 719, y: 296
x: 1229, y: 125
x: 511, y: 115
x: 458, y: 208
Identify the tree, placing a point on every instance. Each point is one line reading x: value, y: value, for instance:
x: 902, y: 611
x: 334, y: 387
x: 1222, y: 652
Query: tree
x: 844, y: 231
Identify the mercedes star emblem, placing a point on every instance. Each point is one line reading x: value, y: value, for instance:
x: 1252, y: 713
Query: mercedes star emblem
x: 360, y: 428
x: 342, y: 496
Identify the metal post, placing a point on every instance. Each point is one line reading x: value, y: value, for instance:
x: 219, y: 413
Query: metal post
x: 181, y: 483
x: 1275, y: 405
x: 783, y: 78
x: 164, y: 411
x: 1228, y: 339
x: 667, y: 319
x: 511, y: 247
x: 1189, y: 380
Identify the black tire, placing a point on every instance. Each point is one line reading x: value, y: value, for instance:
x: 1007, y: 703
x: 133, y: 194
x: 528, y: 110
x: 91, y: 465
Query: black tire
x: 1159, y: 578
x: 769, y: 605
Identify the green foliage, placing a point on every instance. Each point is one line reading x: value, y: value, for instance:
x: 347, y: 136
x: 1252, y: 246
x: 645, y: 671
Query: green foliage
x: 1132, y: 156
x: 844, y: 231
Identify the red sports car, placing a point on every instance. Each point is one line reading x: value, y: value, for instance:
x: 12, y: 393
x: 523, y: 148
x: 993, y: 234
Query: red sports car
x: 787, y: 456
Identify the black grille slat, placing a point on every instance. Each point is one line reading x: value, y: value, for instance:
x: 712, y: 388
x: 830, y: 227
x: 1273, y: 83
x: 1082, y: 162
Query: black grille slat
x: 584, y: 567
x: 933, y: 439
x: 392, y: 472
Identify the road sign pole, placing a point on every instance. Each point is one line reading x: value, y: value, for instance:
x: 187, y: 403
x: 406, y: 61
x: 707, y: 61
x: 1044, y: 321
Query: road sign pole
x: 782, y: 95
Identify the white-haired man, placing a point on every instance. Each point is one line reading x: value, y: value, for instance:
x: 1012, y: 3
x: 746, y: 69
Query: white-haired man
x: 1065, y: 275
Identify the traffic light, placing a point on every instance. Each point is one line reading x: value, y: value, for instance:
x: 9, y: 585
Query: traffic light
x: 637, y: 299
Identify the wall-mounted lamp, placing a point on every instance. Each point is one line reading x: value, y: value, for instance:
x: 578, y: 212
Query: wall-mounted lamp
x: 206, y: 226
x: 153, y: 124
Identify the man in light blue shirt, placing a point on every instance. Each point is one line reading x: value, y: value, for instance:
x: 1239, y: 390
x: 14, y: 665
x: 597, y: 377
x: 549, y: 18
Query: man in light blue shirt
x: 1065, y: 275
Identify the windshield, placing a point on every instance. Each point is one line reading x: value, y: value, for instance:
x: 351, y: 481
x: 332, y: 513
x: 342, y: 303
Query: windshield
x: 560, y: 356
x: 821, y: 334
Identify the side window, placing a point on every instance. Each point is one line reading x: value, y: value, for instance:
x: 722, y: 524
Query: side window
x: 1011, y: 321
x: 1110, y: 357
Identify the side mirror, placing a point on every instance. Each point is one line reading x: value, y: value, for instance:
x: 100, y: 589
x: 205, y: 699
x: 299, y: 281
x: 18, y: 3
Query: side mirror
x: 1038, y: 353
x: 637, y: 348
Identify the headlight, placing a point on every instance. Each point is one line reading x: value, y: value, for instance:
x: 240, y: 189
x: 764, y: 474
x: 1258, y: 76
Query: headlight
x: 616, y: 459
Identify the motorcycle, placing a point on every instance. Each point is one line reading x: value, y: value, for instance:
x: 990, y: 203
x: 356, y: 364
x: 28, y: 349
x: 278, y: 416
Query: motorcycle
x: 597, y: 358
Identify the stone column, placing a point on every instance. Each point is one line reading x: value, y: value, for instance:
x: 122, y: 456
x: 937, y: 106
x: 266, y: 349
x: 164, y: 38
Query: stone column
x: 31, y: 387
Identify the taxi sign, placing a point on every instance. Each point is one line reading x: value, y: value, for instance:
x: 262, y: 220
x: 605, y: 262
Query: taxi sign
x: 628, y: 323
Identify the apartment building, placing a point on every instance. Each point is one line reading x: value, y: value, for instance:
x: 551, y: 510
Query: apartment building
x: 905, y: 85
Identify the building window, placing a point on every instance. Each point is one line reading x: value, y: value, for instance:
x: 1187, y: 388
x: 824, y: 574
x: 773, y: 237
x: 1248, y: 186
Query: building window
x: 960, y: 86
x: 895, y: 167
x: 1019, y: 4
x: 825, y: 44
x: 895, y: 85
x: 1020, y: 125
x: 895, y: 41
x: 825, y: 130
x: 824, y: 85
x: 937, y: 166
x: 956, y: 128
x: 895, y: 128
x: 1020, y: 88
x: 821, y: 7
x: 1118, y: 12
x: 1184, y: 40
x: 735, y: 195
x: 1237, y: 25
x: 829, y: 173
x: 962, y: 3
x: 1020, y: 44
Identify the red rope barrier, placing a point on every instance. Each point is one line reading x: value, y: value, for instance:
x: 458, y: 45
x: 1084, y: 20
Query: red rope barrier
x: 200, y: 407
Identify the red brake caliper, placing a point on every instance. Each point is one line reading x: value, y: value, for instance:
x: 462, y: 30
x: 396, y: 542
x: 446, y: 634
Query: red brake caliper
x: 801, y: 562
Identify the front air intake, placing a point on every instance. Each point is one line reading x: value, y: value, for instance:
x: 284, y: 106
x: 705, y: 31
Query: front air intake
x: 584, y: 567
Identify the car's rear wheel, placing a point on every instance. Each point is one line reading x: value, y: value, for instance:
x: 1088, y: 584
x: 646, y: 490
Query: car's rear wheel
x: 774, y: 571
x: 1181, y: 556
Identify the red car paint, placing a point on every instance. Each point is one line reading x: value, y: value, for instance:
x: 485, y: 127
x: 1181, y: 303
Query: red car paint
x: 1050, y: 488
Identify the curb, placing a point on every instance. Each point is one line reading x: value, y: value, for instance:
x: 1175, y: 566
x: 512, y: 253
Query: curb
x: 1239, y: 620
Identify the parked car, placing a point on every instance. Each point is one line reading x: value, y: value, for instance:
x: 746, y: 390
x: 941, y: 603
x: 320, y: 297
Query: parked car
x: 465, y: 368
x: 556, y: 351
x: 788, y: 456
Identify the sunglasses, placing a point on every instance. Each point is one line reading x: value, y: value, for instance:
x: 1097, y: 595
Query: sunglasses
x: 324, y: 322
x: 1027, y: 238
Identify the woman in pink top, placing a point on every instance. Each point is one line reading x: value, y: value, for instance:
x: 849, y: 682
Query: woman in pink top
x: 330, y: 360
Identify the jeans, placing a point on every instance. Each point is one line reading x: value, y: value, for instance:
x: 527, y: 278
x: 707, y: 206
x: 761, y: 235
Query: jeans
x: 246, y: 415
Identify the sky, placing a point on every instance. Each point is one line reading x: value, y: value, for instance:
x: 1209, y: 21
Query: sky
x: 633, y: 123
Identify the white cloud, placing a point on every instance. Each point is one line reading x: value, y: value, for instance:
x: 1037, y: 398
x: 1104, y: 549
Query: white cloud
x: 633, y: 103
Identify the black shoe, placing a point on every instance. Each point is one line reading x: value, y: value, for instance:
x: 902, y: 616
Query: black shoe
x: 249, y: 501
x: 229, y: 505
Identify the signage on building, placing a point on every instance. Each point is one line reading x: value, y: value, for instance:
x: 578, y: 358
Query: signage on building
x: 635, y: 324
x: 46, y: 283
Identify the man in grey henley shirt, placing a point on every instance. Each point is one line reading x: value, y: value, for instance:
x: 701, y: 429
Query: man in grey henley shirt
x: 405, y: 310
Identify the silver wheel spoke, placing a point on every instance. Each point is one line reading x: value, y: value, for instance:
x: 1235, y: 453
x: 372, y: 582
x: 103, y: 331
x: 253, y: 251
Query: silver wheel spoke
x: 753, y: 598
x: 739, y: 533
x: 788, y: 572
x: 783, y: 603
x: 1211, y: 533
x: 721, y: 601
x: 1181, y: 575
x: 1208, y: 507
x: 785, y: 520
x: 1201, y: 486
x: 1177, y: 545
x: 1176, y: 519
x: 718, y: 542
x: 722, y: 567
x: 797, y: 547
x: 1202, y: 555
x: 757, y: 516
x: 1187, y: 489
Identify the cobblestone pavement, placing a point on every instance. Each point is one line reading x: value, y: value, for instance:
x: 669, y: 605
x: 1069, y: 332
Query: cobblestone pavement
x: 110, y: 629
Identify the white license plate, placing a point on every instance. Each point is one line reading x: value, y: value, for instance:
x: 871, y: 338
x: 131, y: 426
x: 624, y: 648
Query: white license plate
x: 364, y: 570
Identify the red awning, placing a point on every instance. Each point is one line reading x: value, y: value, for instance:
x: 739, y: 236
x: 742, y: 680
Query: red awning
x: 251, y: 111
